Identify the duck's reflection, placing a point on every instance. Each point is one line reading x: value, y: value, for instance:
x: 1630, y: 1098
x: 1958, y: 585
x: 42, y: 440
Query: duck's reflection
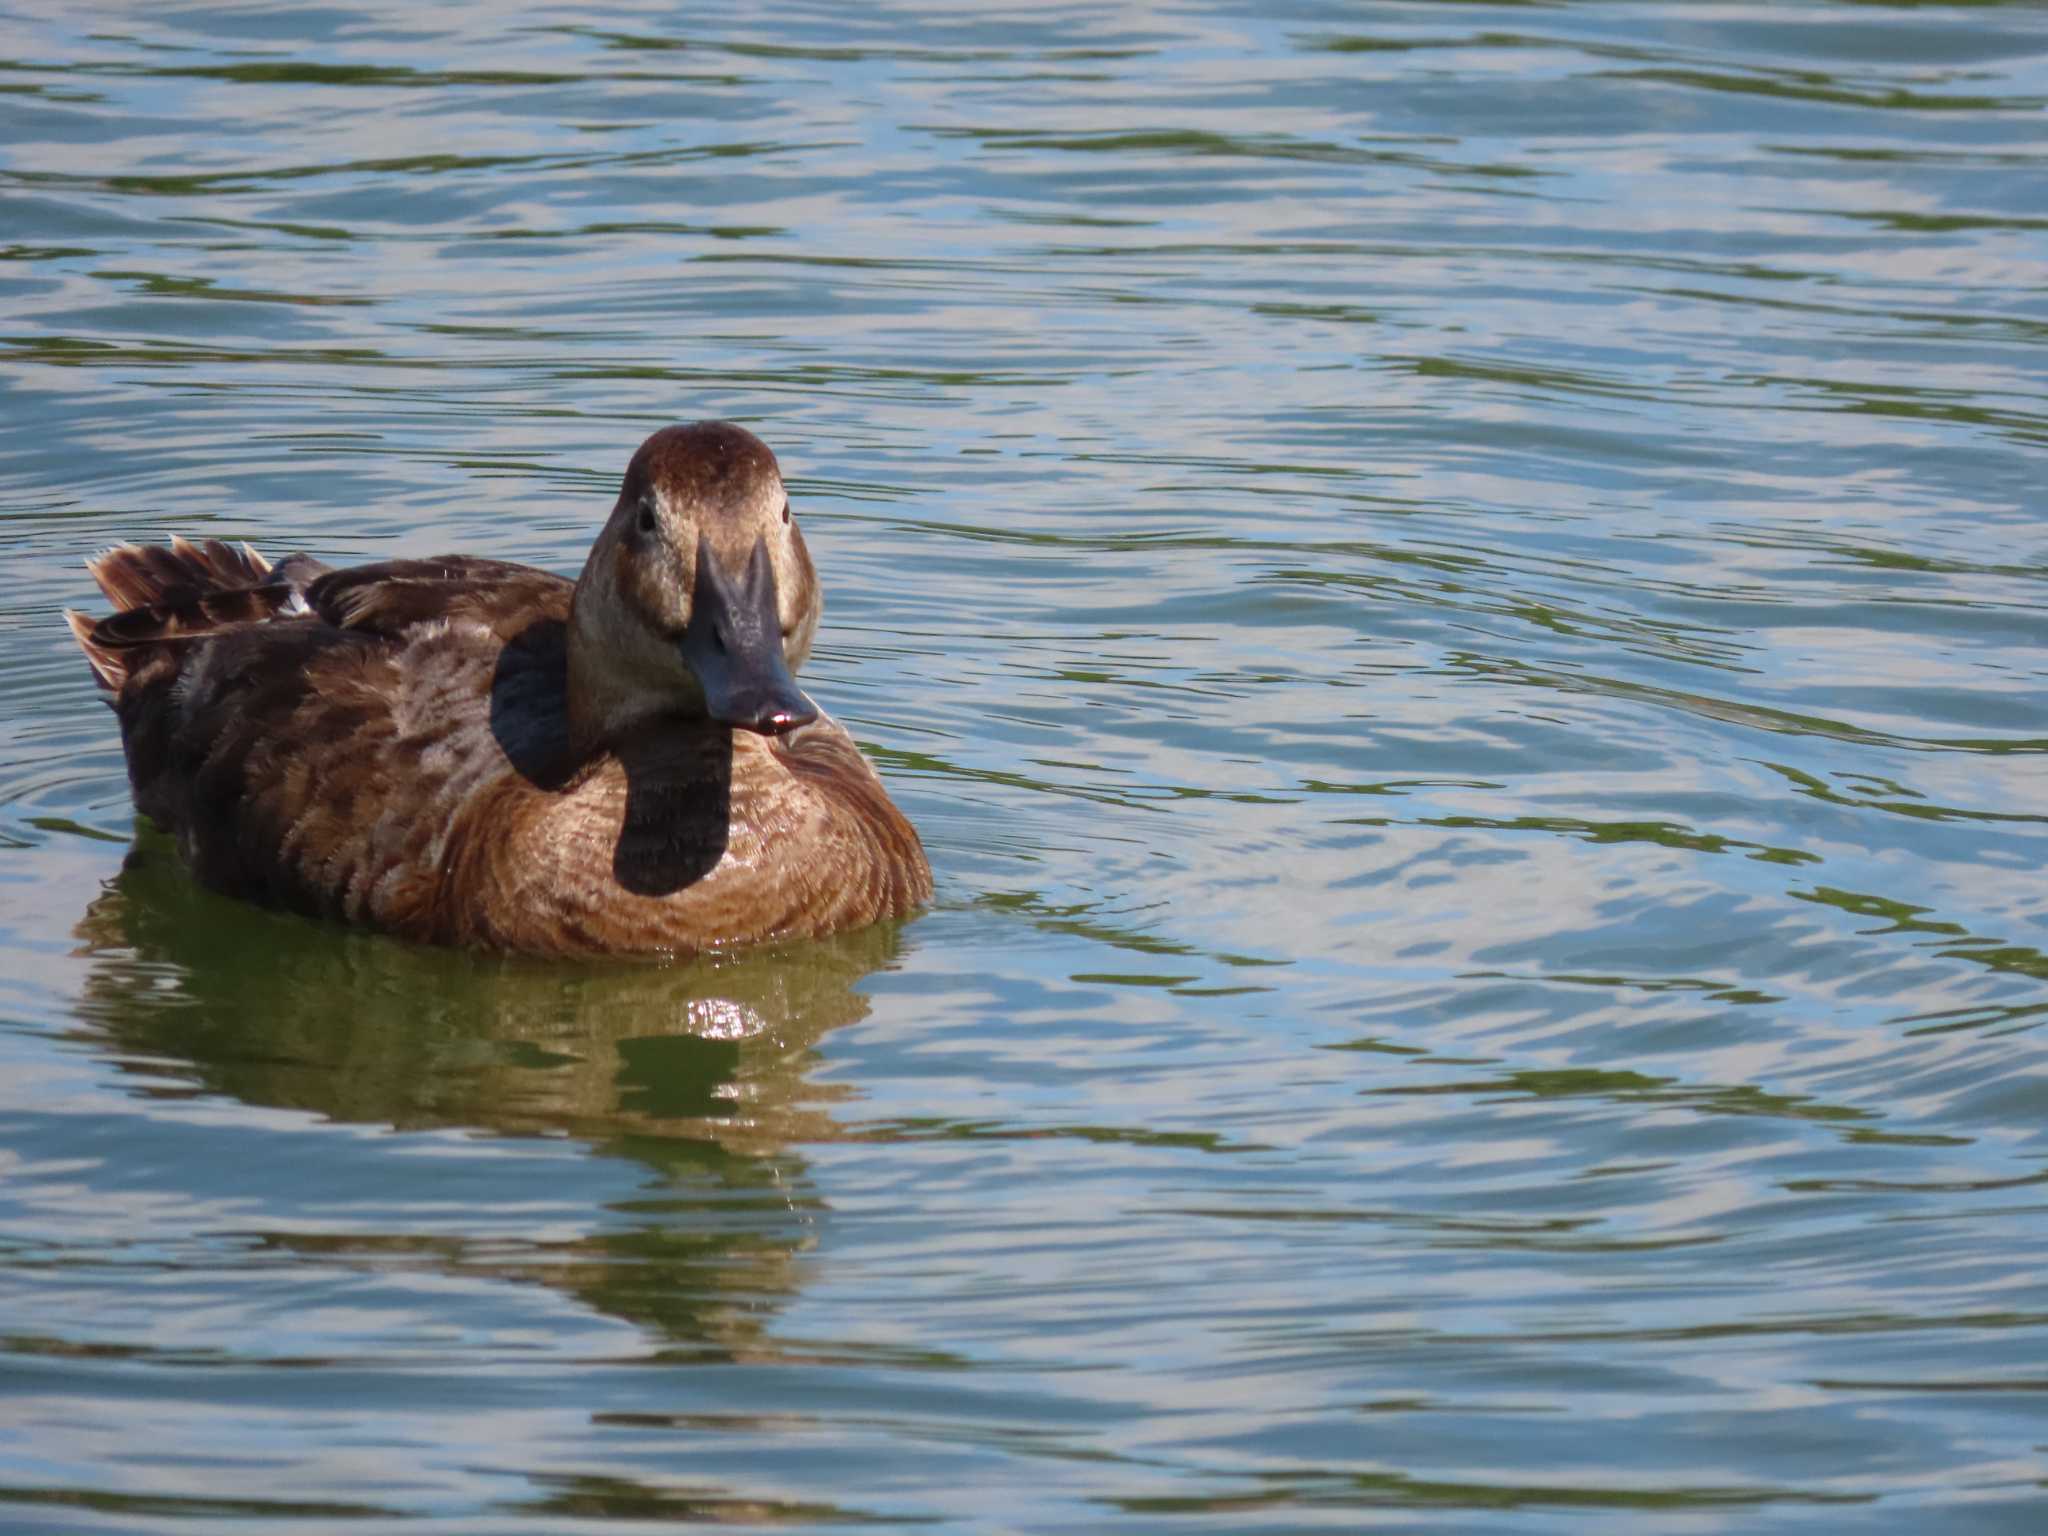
x: 696, y: 1071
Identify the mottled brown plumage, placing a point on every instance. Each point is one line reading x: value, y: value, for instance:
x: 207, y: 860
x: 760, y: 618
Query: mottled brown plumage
x: 465, y: 751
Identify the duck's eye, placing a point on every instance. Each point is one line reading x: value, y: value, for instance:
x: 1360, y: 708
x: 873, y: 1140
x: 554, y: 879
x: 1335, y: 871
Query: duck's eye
x: 785, y: 511
x: 647, y: 517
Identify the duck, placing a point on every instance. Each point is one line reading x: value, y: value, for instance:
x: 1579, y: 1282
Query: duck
x: 470, y: 752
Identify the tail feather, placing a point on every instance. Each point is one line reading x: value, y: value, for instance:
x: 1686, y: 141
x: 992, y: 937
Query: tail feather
x: 141, y: 575
x: 107, y: 668
x: 165, y: 594
x: 188, y: 618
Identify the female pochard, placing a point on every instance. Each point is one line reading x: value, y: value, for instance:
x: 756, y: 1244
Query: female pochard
x: 465, y: 751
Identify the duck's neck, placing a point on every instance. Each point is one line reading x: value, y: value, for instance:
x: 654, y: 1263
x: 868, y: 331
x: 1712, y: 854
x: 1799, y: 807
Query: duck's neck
x: 593, y: 717
x: 603, y: 703
x: 621, y: 676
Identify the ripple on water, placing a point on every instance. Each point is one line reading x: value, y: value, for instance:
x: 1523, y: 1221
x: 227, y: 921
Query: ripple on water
x: 1454, y: 591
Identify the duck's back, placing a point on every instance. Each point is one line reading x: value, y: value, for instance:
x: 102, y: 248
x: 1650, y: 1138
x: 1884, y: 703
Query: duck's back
x: 389, y: 745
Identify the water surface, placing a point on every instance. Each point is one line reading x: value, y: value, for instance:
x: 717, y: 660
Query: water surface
x: 1457, y: 592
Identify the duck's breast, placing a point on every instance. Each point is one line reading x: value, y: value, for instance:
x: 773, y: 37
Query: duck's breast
x: 692, y: 837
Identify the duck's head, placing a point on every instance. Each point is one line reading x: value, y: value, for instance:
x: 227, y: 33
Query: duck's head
x: 698, y: 597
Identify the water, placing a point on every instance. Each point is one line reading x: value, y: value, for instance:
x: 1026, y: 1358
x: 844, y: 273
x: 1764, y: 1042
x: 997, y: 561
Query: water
x: 1457, y: 593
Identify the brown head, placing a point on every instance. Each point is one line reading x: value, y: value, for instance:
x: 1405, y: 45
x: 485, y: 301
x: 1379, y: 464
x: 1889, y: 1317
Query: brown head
x: 698, y: 598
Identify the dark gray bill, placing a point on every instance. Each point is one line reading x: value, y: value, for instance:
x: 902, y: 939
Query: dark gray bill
x: 734, y: 645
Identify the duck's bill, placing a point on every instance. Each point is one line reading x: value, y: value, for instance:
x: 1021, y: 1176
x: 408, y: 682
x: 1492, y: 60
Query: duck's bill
x: 734, y: 645
x: 755, y: 694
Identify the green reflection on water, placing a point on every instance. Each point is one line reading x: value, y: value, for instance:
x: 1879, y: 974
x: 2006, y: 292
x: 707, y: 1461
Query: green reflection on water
x: 360, y: 1028
x: 694, y: 1071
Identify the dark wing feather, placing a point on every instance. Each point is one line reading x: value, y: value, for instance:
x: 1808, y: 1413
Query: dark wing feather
x: 392, y: 596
